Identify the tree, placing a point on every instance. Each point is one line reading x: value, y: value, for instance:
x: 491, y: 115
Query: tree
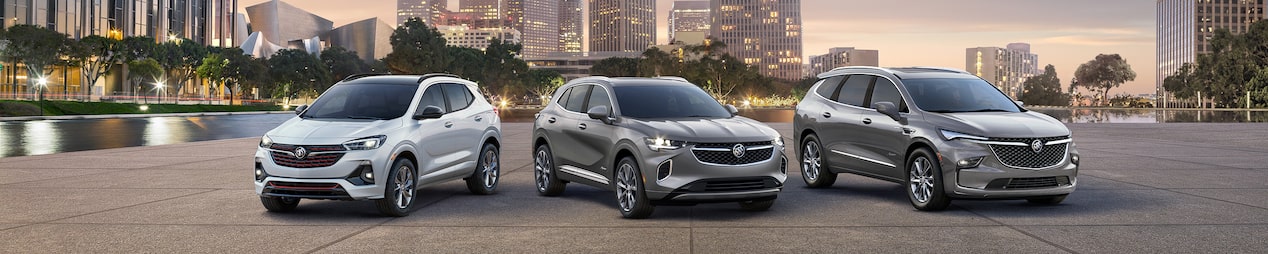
x: 502, y: 69
x: 343, y: 62
x: 616, y: 67
x: 1044, y: 89
x: 296, y: 72
x: 658, y: 63
x: 36, y: 47
x: 181, y: 59
x: 417, y: 49
x: 95, y: 56
x: 136, y: 48
x: 1103, y: 73
x: 144, y: 69
x: 467, y: 62
x: 543, y: 83
x: 1184, y: 83
x: 215, y: 69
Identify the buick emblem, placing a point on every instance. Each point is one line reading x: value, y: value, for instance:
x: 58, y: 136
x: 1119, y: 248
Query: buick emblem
x: 300, y: 153
x: 738, y: 150
x: 1036, y: 146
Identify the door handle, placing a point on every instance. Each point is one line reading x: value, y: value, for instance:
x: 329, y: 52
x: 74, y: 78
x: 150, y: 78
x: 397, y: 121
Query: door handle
x: 827, y: 114
x: 448, y: 124
x: 867, y: 121
x: 550, y: 120
x: 581, y: 125
x: 479, y: 118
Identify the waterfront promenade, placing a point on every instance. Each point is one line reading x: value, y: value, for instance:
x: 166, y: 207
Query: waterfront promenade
x: 1143, y: 188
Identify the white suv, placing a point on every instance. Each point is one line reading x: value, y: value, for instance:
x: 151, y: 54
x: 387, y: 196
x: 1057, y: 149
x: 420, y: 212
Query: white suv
x: 381, y: 138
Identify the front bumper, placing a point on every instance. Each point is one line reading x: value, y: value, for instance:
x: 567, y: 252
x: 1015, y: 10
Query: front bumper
x: 339, y: 181
x: 992, y: 179
x: 688, y: 180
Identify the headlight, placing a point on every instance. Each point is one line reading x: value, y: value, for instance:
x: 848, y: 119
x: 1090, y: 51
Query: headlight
x: 951, y: 135
x: 366, y: 143
x: 265, y: 141
x: 779, y: 141
x: 658, y: 143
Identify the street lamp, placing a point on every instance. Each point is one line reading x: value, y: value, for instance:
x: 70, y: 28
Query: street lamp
x: 158, y: 89
x: 39, y: 92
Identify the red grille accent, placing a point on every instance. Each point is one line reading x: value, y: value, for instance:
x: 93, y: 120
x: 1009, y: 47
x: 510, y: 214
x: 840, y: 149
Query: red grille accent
x: 303, y: 186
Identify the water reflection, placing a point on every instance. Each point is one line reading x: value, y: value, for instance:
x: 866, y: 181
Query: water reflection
x: 57, y: 136
x: 1155, y: 115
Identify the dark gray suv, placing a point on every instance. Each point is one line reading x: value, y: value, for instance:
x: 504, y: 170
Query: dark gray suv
x: 943, y: 133
x: 655, y: 141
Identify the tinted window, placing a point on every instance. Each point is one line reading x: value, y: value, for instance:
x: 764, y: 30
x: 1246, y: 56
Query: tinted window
x: 563, y: 97
x: 599, y: 97
x: 658, y: 101
x: 854, y: 91
x: 433, y: 96
x: 948, y: 95
x: 363, y: 101
x: 459, y: 96
x: 577, y: 99
x: 886, y: 91
x: 829, y: 86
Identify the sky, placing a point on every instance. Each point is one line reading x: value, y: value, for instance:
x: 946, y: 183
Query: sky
x: 1063, y: 33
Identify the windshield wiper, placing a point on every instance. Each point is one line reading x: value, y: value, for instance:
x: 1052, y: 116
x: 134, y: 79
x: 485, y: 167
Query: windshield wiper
x: 366, y: 117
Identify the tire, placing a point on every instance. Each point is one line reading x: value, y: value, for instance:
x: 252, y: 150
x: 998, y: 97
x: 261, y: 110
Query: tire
x: 398, y: 195
x: 757, y: 205
x: 631, y: 197
x: 814, y: 169
x: 544, y: 174
x: 924, y: 182
x: 484, y: 180
x: 279, y: 204
x: 1047, y: 200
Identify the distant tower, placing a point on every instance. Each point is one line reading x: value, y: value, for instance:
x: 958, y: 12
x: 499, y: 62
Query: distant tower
x: 570, y: 26
x: 765, y: 34
x: 428, y: 10
x: 622, y: 25
x: 1007, y: 68
x: 688, y: 16
x: 538, y: 21
x: 1185, y: 28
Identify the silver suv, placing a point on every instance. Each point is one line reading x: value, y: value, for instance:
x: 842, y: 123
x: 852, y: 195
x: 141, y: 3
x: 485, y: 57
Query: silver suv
x: 381, y: 138
x: 943, y: 133
x: 655, y: 141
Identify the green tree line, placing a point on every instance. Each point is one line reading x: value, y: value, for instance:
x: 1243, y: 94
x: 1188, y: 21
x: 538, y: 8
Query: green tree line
x: 1234, y: 74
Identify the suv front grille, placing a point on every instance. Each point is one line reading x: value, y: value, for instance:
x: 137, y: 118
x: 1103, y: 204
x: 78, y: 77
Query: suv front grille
x: 1029, y: 183
x: 283, y: 155
x: 731, y: 184
x: 728, y: 157
x: 1025, y: 157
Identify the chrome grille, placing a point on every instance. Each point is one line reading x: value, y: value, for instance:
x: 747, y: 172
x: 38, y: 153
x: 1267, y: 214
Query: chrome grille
x: 329, y: 155
x: 728, y: 158
x: 1024, y: 157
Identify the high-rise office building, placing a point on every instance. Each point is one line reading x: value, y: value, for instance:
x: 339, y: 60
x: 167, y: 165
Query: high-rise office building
x: 765, y: 34
x: 841, y: 57
x: 570, y: 25
x: 688, y: 16
x: 429, y: 11
x: 484, y: 9
x: 622, y: 25
x: 1007, y: 68
x: 538, y: 21
x: 1185, y: 28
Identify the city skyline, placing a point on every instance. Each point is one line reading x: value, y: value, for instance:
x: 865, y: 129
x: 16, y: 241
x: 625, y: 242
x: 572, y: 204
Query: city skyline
x: 934, y: 33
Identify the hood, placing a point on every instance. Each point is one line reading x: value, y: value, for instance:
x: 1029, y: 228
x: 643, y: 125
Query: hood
x: 707, y: 130
x: 1028, y: 124
x: 310, y: 131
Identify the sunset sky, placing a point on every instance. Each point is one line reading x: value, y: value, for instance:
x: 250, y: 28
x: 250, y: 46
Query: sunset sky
x: 1063, y: 33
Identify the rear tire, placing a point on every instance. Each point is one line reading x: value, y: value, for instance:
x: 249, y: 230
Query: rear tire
x: 814, y: 169
x: 544, y: 174
x: 631, y: 198
x: 279, y: 204
x: 398, y: 195
x: 757, y: 205
x: 484, y: 180
x: 1048, y: 200
x: 924, y: 182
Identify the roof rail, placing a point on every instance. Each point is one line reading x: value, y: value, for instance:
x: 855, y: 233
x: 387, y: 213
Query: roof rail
x: 590, y: 77
x: 823, y: 75
x: 433, y: 75
x: 939, y: 69
x: 674, y: 78
x: 362, y: 75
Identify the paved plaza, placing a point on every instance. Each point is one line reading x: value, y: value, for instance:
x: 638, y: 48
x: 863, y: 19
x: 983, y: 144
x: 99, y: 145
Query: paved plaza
x: 1143, y: 188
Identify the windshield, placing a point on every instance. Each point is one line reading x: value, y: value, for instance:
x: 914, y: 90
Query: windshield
x: 362, y: 101
x: 660, y: 101
x: 950, y: 95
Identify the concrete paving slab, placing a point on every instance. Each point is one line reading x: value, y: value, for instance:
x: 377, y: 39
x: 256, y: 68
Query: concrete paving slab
x: 995, y: 239
x: 151, y: 179
x: 1089, y: 182
x: 1185, y: 178
x: 1092, y: 162
x: 1156, y: 238
x: 1251, y: 162
x: 40, y: 205
x: 1250, y: 197
x: 397, y: 239
x: 82, y: 238
x: 1118, y: 207
x: 238, y: 207
x: 99, y: 162
x: 18, y: 175
x: 242, y: 163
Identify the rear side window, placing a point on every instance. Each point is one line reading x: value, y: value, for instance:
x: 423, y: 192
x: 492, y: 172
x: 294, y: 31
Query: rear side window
x: 577, y: 99
x: 459, y: 96
x: 433, y: 96
x: 887, y: 91
x: 599, y: 97
x: 854, y: 91
x: 563, y: 97
x: 828, y: 86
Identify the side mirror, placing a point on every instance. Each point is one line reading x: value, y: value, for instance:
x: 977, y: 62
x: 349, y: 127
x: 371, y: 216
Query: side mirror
x: 429, y: 112
x: 732, y: 109
x: 300, y: 109
x: 1020, y: 104
x: 888, y: 109
x: 602, y: 113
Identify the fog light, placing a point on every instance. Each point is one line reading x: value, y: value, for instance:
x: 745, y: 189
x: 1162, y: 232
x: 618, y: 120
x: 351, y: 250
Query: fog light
x: 369, y: 175
x: 664, y: 170
x: 969, y: 162
x: 783, y: 164
x: 1074, y: 158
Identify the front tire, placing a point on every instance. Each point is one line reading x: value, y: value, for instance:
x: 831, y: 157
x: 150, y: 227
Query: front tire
x: 924, y: 182
x: 1048, y: 200
x: 398, y: 195
x: 631, y: 198
x: 279, y: 204
x: 757, y: 205
x: 484, y: 180
x: 548, y: 184
x: 814, y: 170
